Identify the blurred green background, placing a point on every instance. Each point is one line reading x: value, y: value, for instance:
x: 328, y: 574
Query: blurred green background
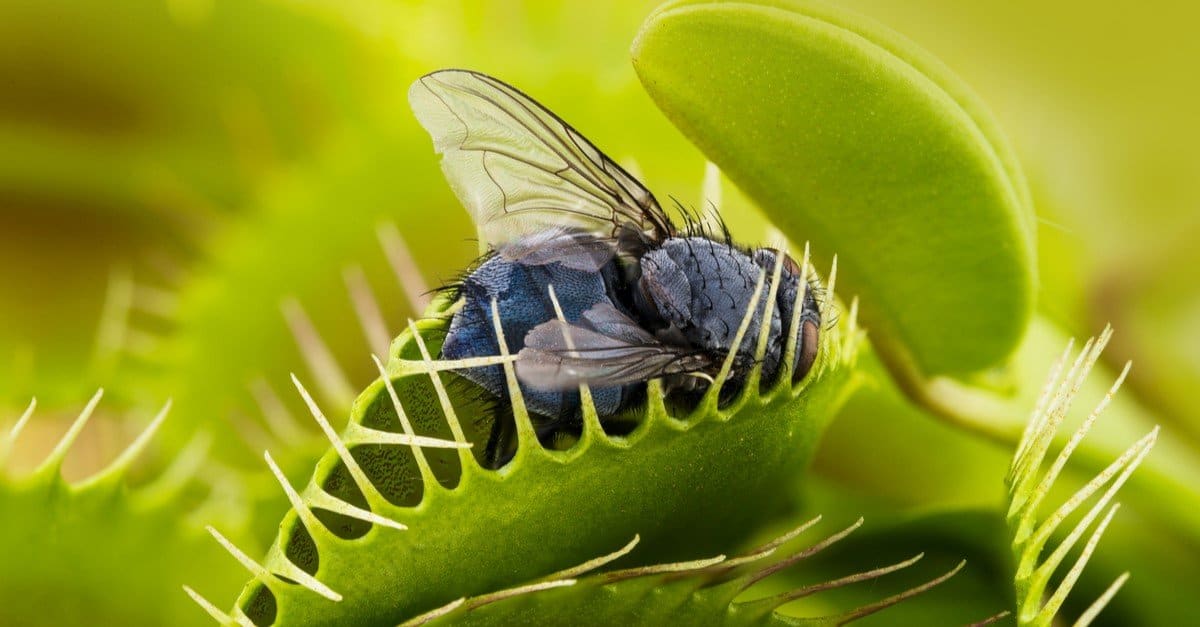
x: 173, y: 171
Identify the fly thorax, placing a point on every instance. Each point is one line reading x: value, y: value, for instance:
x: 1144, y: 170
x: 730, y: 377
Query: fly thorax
x: 701, y: 289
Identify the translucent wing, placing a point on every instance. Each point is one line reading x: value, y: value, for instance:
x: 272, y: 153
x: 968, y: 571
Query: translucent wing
x: 610, y: 350
x: 571, y: 248
x: 520, y: 170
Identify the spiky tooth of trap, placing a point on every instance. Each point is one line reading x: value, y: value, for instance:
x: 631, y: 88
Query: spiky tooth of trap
x: 872, y: 608
x: 298, y: 505
x: 1044, y: 572
x: 869, y: 575
x: 764, y: 327
x: 114, y: 316
x: 126, y: 458
x: 9, y: 440
x: 771, y: 569
x: 1101, y: 602
x: 279, y: 420
x: 1064, y: 398
x: 831, y: 293
x: 427, y: 476
x: 768, y: 548
x: 794, y: 330
x: 408, y: 274
x: 660, y: 569
x: 826, y: 314
x: 1060, y: 462
x: 310, y: 522
x: 179, y: 472
x: 711, y: 397
x: 260, y: 572
x: 1121, y: 469
x: 1038, y: 409
x: 992, y: 620
x: 710, y: 187
x: 319, y: 499
x: 591, y: 418
x: 212, y: 610
x: 406, y: 367
x: 53, y: 461
x: 852, y: 318
x: 593, y: 564
x: 358, y: 434
x: 526, y: 436
x: 527, y: 589
x: 1031, y: 454
x: 434, y: 614
x: 440, y: 389
x: 367, y: 309
x: 372, y: 495
x: 331, y: 380
x: 19, y: 425
x: 142, y: 344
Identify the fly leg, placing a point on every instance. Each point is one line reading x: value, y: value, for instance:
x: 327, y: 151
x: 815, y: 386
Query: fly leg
x: 552, y: 433
x: 502, y: 443
x: 557, y: 433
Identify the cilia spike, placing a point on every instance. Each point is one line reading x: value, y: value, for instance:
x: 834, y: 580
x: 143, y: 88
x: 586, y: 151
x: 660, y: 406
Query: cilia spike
x: 1029, y: 486
x: 717, y: 582
x: 331, y: 379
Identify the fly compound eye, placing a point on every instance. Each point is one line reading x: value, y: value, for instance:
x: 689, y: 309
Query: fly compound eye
x: 808, y: 349
x: 790, y: 265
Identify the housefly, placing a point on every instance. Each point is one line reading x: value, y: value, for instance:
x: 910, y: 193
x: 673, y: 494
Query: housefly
x: 568, y: 229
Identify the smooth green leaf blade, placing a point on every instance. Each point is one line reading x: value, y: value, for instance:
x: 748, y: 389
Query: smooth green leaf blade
x: 853, y: 139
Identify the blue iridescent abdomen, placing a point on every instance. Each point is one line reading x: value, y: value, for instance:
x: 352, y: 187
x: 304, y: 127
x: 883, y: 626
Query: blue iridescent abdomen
x: 522, y: 295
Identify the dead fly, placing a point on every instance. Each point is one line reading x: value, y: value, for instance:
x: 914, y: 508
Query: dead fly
x: 641, y: 299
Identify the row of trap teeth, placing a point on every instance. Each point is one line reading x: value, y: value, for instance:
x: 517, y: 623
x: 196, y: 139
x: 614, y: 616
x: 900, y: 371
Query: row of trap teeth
x: 745, y: 570
x: 740, y: 573
x: 335, y: 387
x: 315, y: 497
x: 50, y: 467
x: 1028, y: 487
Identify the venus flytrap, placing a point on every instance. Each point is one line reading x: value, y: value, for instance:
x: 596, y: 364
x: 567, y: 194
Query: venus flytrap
x: 857, y: 141
x: 1028, y: 487
x: 400, y: 513
x: 96, y: 551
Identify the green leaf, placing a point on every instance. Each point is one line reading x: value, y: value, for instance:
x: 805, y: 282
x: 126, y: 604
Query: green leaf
x: 852, y: 138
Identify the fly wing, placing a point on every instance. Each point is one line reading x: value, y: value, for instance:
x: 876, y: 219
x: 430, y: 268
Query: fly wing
x: 521, y: 170
x: 571, y: 248
x: 615, y: 351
